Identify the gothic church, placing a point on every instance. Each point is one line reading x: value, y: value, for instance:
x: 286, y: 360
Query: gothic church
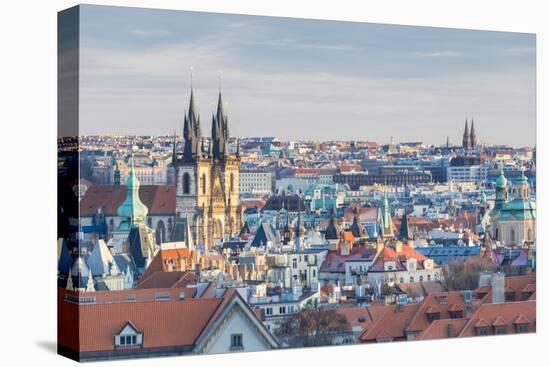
x: 207, y: 180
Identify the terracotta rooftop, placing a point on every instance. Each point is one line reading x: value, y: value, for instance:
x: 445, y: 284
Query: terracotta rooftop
x: 159, y: 199
x: 391, y: 323
x: 503, y: 314
x: 91, y: 327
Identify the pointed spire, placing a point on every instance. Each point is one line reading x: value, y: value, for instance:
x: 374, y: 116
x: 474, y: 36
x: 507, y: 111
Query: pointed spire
x: 404, y: 232
x: 466, y: 137
x: 191, y: 131
x: 132, y: 209
x: 473, y: 136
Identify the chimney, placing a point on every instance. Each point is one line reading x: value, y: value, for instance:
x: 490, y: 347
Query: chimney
x: 450, y: 331
x: 469, y: 310
x: 379, y: 247
x: 398, y: 246
x: 484, y: 279
x: 497, y: 288
x: 344, y: 248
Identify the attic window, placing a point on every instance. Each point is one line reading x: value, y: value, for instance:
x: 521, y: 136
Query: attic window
x: 236, y: 341
x: 522, y: 328
x: 129, y: 336
x: 481, y: 331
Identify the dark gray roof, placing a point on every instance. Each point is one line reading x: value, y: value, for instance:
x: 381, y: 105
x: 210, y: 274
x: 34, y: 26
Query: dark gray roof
x: 264, y: 234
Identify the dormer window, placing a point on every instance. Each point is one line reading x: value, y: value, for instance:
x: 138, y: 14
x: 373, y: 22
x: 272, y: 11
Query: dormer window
x: 432, y: 313
x: 129, y: 336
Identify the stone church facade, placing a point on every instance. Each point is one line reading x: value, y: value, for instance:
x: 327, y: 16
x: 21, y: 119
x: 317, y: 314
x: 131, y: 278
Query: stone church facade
x: 207, y: 179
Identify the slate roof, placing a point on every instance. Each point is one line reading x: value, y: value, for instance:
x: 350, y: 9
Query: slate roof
x: 264, y: 234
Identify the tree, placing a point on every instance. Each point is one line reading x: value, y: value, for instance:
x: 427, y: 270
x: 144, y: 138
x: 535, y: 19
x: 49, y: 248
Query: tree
x: 311, y: 327
x: 464, y: 275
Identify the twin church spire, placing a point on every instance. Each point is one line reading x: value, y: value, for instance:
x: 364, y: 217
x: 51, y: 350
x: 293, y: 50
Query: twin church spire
x: 469, y: 139
x: 194, y: 146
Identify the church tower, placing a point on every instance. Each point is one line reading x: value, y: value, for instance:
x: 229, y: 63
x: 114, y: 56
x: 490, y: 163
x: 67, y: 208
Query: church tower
x: 186, y: 165
x: 473, y: 136
x: 501, y: 191
x: 225, y: 177
x: 387, y: 225
x: 466, y: 140
x: 207, y: 180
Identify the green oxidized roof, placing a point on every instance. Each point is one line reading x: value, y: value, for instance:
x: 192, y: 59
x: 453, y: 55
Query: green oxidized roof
x: 501, y: 180
x: 518, y: 209
x: 132, y: 207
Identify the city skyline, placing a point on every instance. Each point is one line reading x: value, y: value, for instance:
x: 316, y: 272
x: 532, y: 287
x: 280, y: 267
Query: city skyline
x: 298, y: 78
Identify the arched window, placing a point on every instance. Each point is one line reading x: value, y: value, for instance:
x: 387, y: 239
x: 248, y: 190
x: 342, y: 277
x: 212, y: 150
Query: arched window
x: 160, y: 233
x: 411, y: 279
x: 111, y: 224
x: 169, y: 225
x: 186, y: 183
x: 231, y: 183
x: 204, y: 183
x: 512, y: 235
x: 496, y: 234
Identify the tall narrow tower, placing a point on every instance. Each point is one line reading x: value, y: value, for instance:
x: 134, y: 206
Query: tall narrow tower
x: 466, y: 137
x: 186, y: 166
x: 387, y: 226
x: 473, y: 136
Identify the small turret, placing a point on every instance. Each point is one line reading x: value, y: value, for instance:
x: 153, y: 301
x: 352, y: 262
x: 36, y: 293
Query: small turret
x: 132, y: 209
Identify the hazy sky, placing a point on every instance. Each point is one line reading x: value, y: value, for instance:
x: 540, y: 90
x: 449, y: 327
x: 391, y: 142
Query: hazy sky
x: 306, y: 79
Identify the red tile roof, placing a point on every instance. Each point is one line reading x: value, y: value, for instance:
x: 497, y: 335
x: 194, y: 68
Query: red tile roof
x: 441, y: 302
x: 501, y: 314
x: 91, y: 327
x: 391, y: 323
x: 335, y: 263
x: 366, y: 215
x: 159, y: 199
x: 390, y: 254
x: 440, y: 329
x: 171, y: 279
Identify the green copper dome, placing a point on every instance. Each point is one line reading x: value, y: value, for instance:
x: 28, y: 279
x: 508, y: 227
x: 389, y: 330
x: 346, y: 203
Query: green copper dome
x: 132, y: 208
x: 519, y: 209
x: 523, y: 179
x: 501, y: 180
x: 483, y: 198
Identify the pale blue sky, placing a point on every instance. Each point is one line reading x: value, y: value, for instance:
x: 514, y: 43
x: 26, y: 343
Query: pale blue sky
x: 305, y: 79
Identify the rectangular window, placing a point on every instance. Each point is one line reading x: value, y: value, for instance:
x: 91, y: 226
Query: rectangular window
x: 522, y: 328
x: 282, y: 310
x: 236, y: 341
